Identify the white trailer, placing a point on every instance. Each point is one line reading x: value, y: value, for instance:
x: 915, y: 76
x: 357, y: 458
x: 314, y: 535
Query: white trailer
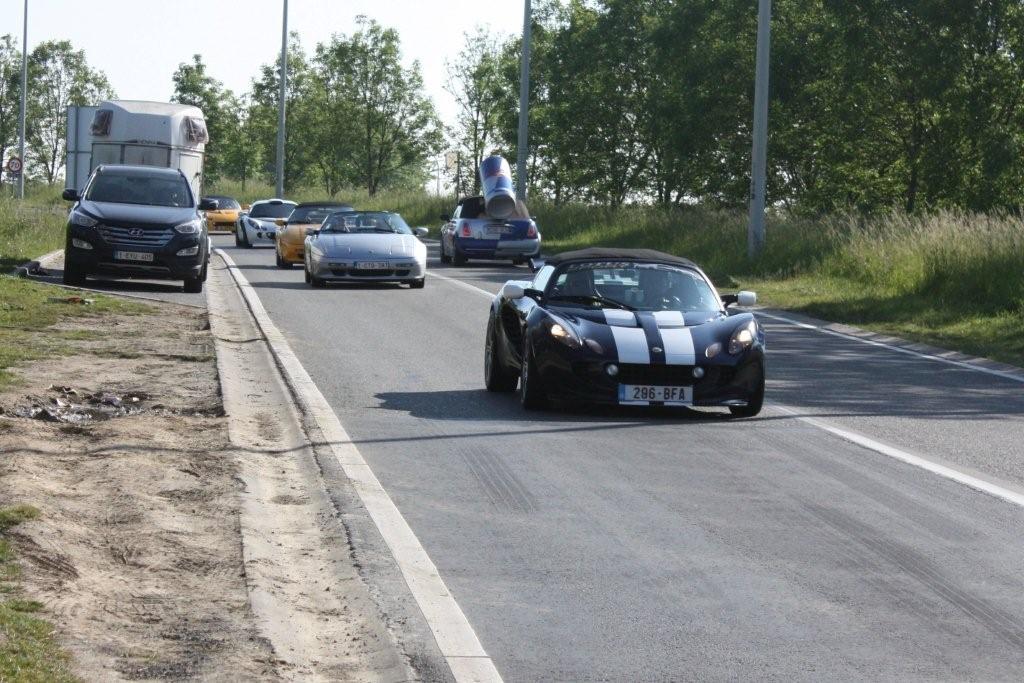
x: 135, y: 133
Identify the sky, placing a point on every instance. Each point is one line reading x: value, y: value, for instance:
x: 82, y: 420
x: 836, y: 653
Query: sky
x: 139, y: 43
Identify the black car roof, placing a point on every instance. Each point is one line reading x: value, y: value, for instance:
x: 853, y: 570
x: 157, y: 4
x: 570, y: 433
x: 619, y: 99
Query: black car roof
x: 613, y: 254
x: 305, y: 204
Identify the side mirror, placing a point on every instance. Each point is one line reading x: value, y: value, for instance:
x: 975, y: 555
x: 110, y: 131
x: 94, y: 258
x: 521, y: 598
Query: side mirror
x: 746, y: 299
x: 70, y: 195
x: 280, y: 222
x: 208, y: 204
x: 512, y: 291
x: 422, y: 232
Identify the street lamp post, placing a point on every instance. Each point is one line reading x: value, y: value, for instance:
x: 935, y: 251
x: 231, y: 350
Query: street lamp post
x: 280, y: 104
x: 21, y: 108
x: 524, y: 103
x: 759, y: 155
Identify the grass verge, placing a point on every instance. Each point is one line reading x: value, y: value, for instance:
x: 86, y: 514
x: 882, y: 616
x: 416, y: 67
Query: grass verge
x: 27, y: 307
x: 29, y: 230
x: 28, y: 650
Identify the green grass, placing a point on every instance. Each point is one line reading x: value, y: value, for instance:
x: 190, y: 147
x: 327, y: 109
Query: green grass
x: 29, y: 230
x: 28, y: 650
x: 26, y: 312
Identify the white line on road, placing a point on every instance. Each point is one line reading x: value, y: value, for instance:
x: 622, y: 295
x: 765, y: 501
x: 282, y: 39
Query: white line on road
x: 892, y: 347
x: 917, y: 461
x: 455, y: 637
x: 866, y: 442
x: 460, y: 283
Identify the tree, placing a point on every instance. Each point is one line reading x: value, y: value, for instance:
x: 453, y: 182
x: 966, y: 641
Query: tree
x: 59, y: 77
x: 394, y: 123
x: 192, y: 85
x: 474, y: 82
x: 10, y: 94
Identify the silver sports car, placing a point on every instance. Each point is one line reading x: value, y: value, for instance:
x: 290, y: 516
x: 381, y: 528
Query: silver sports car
x: 365, y: 246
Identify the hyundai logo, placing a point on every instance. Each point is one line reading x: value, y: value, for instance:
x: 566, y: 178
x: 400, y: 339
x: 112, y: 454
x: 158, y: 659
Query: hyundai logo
x: 136, y: 232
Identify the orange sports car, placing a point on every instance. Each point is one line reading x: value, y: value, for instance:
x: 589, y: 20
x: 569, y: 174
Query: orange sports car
x: 225, y: 215
x: 291, y: 237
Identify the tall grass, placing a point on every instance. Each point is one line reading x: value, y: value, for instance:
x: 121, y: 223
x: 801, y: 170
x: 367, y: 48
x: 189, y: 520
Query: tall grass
x: 29, y: 229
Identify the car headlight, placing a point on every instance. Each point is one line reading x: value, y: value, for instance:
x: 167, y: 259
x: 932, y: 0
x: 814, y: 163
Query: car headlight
x: 743, y: 338
x: 563, y: 332
x: 80, y: 219
x: 192, y: 227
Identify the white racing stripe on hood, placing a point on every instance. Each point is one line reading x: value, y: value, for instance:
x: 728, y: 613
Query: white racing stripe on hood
x: 669, y: 318
x: 618, y: 317
x: 678, y: 345
x: 631, y: 343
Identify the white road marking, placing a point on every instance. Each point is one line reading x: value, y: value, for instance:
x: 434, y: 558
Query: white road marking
x: 464, y: 285
x: 898, y: 349
x: 455, y: 637
x: 945, y: 471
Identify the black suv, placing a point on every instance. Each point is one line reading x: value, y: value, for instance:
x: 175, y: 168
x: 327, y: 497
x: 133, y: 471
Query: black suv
x: 137, y: 221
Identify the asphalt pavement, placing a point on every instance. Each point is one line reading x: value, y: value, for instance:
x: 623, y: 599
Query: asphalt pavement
x: 650, y: 546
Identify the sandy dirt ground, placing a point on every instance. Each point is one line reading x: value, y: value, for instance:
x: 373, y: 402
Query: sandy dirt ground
x: 137, y: 555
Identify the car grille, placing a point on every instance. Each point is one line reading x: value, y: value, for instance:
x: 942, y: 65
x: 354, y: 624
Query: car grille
x: 662, y: 375
x: 353, y: 272
x: 149, y: 237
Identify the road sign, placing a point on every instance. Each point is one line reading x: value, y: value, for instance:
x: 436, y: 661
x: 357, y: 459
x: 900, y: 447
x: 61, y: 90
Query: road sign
x: 14, y: 165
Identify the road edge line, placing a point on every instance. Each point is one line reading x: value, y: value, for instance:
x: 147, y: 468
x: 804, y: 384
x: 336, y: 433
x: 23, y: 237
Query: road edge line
x: 455, y: 637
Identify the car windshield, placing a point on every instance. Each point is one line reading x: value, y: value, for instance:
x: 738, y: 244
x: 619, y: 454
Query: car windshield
x: 632, y: 286
x: 315, y: 214
x: 139, y: 188
x: 363, y: 221
x: 225, y: 203
x: 282, y: 210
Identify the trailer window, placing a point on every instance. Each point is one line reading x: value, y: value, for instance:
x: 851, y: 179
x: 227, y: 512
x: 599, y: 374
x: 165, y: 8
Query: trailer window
x: 101, y: 122
x: 137, y: 188
x: 195, y: 130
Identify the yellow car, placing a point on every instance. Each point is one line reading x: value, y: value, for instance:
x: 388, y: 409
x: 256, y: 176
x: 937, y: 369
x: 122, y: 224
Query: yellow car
x: 291, y: 236
x: 225, y: 217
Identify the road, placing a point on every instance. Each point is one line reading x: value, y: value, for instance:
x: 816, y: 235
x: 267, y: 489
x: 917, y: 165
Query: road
x: 628, y: 545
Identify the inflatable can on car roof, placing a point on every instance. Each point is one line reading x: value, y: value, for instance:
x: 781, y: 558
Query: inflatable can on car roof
x: 496, y: 178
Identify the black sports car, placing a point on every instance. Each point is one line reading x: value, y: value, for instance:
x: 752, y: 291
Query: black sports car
x: 627, y: 327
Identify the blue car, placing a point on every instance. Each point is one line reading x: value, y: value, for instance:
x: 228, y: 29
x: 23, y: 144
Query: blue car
x: 469, y: 233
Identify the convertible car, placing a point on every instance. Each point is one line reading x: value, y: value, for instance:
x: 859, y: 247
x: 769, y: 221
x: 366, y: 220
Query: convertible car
x: 365, y: 246
x: 291, y: 238
x: 626, y: 327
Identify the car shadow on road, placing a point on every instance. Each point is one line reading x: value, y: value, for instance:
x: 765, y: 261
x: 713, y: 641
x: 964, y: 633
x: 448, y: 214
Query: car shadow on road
x: 331, y: 286
x: 127, y: 285
x: 480, y: 404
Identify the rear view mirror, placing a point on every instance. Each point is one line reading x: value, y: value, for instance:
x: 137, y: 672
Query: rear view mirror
x: 70, y: 195
x: 206, y: 204
x: 422, y: 232
x: 746, y: 299
x: 511, y: 290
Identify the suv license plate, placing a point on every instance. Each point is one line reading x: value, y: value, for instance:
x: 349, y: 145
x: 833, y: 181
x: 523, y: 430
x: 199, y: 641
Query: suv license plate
x: 133, y: 256
x: 372, y: 265
x: 641, y: 394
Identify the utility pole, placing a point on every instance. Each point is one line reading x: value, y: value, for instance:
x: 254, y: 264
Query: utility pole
x: 280, y: 104
x: 524, y: 103
x: 759, y: 155
x: 21, y: 108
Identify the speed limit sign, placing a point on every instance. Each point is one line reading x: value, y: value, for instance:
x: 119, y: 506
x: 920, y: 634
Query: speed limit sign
x: 14, y: 165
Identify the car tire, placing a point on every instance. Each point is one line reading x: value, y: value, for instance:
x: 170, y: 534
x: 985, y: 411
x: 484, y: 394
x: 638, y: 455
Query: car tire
x: 238, y: 238
x: 418, y: 284
x: 281, y: 263
x: 316, y: 282
x: 497, y: 377
x: 518, y: 262
x: 73, y: 275
x: 756, y: 402
x: 458, y: 259
x: 445, y: 258
x: 194, y: 285
x: 245, y: 239
x: 305, y: 272
x: 531, y: 392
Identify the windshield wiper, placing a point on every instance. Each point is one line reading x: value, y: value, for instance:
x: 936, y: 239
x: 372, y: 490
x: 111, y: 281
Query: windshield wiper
x: 589, y: 298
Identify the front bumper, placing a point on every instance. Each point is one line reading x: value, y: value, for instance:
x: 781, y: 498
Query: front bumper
x: 570, y: 376
x: 166, y: 264
x: 339, y: 270
x: 291, y: 252
x: 497, y: 249
x: 260, y: 235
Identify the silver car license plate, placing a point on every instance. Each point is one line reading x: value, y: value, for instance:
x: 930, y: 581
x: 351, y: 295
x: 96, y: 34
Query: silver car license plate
x: 642, y: 394
x: 372, y: 265
x: 142, y: 256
